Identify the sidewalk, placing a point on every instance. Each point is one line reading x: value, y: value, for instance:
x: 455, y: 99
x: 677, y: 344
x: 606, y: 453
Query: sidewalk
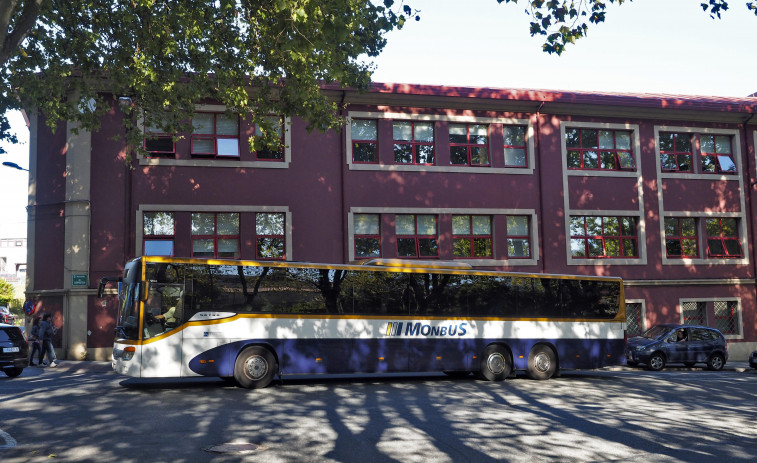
x: 76, y: 366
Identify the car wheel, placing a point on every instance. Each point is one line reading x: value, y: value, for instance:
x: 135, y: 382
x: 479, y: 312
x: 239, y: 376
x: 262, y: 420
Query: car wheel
x: 255, y: 368
x: 495, y: 363
x: 716, y: 362
x: 13, y: 372
x: 542, y: 363
x: 656, y: 362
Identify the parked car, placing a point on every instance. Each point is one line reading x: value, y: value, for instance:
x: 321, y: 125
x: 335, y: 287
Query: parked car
x: 753, y: 359
x: 6, y: 316
x: 671, y: 343
x: 14, y: 350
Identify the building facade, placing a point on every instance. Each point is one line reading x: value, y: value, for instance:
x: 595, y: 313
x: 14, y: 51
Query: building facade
x: 658, y: 190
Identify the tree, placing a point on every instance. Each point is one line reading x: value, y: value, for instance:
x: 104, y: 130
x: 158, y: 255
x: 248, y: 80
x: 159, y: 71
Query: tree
x: 565, y: 22
x: 71, y: 60
x: 7, y: 293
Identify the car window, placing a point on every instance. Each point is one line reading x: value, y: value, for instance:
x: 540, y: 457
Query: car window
x: 11, y: 334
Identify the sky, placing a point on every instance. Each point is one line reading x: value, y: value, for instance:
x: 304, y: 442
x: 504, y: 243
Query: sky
x: 644, y: 46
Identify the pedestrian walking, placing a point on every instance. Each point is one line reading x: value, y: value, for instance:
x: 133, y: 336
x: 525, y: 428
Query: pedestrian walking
x: 36, y: 343
x: 46, y: 333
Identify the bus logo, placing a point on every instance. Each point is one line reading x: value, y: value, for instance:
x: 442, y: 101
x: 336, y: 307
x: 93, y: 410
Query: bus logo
x: 418, y: 329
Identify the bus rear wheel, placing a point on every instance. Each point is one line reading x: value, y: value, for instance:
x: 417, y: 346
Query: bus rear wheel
x: 255, y: 368
x: 542, y: 363
x: 495, y: 363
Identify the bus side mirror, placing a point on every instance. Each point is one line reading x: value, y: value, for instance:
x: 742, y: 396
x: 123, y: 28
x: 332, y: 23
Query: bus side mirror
x: 104, y: 281
x: 144, y: 291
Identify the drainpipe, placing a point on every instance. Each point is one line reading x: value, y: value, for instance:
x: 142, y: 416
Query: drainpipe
x: 540, y: 216
x: 750, y: 188
x: 342, y: 162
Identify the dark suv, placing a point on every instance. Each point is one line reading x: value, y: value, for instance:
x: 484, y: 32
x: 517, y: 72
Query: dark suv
x: 663, y: 344
x: 14, y: 351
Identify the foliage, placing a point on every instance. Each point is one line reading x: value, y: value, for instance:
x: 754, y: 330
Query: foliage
x: 73, y: 59
x: 7, y: 293
x: 565, y: 22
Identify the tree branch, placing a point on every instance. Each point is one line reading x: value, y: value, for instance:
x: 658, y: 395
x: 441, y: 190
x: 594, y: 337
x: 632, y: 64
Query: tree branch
x: 10, y: 42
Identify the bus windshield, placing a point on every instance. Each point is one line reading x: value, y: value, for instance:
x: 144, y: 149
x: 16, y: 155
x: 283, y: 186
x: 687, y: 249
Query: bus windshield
x: 128, y: 304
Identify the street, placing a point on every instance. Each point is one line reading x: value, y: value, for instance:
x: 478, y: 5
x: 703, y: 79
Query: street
x: 73, y: 413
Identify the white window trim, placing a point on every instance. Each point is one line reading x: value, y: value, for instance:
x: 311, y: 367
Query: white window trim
x: 702, y: 239
x: 530, y: 134
x: 229, y: 162
x: 454, y: 211
x: 640, y: 229
x: 212, y: 208
x: 636, y: 148
x: 739, y: 316
x: 643, y: 303
x: 734, y: 134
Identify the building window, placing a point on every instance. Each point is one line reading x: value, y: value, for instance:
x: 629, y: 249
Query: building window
x: 270, y: 154
x: 413, y: 142
x: 723, y: 238
x: 676, y: 154
x: 694, y: 313
x: 472, y: 236
x: 469, y: 144
x: 364, y: 141
x: 717, y: 156
x: 515, y: 146
x: 518, y: 237
x: 367, y: 236
x: 416, y: 235
x: 269, y: 240
x: 594, y: 237
x: 215, y: 134
x: 681, y: 237
x: 727, y: 317
x: 593, y: 149
x: 634, y: 319
x: 158, y: 233
x: 157, y: 142
x: 215, y: 235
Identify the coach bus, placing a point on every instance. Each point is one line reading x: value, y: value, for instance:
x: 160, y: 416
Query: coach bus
x: 250, y: 321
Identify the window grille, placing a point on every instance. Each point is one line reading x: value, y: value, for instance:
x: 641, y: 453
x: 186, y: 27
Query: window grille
x: 725, y: 317
x: 694, y: 313
x: 634, y: 319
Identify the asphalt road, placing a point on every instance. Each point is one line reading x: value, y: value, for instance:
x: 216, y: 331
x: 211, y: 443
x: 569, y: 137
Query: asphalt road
x: 82, y: 412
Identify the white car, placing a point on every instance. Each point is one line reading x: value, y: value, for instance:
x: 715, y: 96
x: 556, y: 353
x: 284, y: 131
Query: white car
x: 6, y: 316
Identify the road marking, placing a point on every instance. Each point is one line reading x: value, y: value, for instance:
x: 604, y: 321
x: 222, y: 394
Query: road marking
x: 6, y: 441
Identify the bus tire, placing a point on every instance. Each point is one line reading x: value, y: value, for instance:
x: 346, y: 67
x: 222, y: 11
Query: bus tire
x: 255, y: 368
x: 542, y: 362
x: 495, y: 363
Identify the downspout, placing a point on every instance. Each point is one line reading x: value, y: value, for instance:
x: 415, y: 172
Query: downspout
x: 750, y: 189
x: 540, y: 216
x: 342, y: 162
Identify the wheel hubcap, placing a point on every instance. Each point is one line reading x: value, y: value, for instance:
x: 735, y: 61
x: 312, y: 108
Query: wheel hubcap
x: 717, y: 363
x: 496, y: 363
x: 542, y: 362
x: 256, y: 367
x: 656, y: 362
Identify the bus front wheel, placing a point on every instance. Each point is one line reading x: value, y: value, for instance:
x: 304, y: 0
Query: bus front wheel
x: 495, y: 363
x: 542, y: 362
x: 255, y: 368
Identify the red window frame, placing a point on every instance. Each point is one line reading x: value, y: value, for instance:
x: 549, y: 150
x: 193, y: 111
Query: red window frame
x: 472, y: 239
x: 153, y: 136
x: 414, y: 144
x: 510, y: 146
x: 161, y: 237
x: 680, y: 238
x: 271, y: 155
x: 470, y: 146
x: 714, y: 158
x: 215, y: 137
x: 420, y: 242
x: 722, y: 239
x: 581, y: 235
x: 584, y: 151
x: 367, y: 236
x: 512, y: 236
x: 215, y: 237
x: 262, y: 237
x: 683, y: 158
x: 360, y: 142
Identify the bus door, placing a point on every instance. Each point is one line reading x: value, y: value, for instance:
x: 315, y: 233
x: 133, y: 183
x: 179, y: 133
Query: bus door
x: 161, y: 346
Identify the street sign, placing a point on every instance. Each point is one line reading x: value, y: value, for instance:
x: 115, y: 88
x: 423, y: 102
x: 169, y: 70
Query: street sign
x: 78, y: 279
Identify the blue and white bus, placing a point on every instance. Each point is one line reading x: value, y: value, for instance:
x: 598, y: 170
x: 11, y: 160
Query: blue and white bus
x: 251, y: 321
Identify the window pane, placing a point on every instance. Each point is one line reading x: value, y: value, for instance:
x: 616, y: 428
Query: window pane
x: 607, y: 160
x: 158, y: 247
x: 203, y: 223
x: 482, y: 247
x: 202, y: 248
x: 729, y: 227
x: 364, y: 152
x: 160, y: 144
x: 428, y: 247
x: 574, y: 159
x: 461, y: 225
x: 689, y: 248
x: 228, y: 224
x: 479, y: 155
x: 629, y: 248
x: 685, y: 163
x: 733, y: 247
x: 571, y: 138
x: 482, y: 225
x: 589, y: 139
x: 673, y: 247
x: 479, y: 134
x: 426, y: 224
x: 688, y: 227
x: 626, y: 160
x: 518, y: 248
x: 668, y: 162
x: 406, y: 247
x: 458, y: 155
x: 726, y: 164
x: 425, y: 154
x: 593, y: 226
x: 591, y: 160
x: 461, y: 248
x: 612, y: 227
x: 228, y: 248
x: 402, y: 131
x: 713, y: 227
x: 269, y: 223
x: 595, y: 248
x: 403, y: 154
x: 707, y: 143
x: 517, y: 225
x: 227, y: 125
x: 203, y: 146
x: 158, y: 223
x: 623, y: 140
x: 363, y: 129
x: 404, y: 224
x: 628, y: 226
x: 723, y: 144
x: 715, y: 247
x: 515, y: 157
x: 228, y: 147
x: 612, y: 248
x: 366, y: 224
x: 424, y: 131
x: 606, y: 139
x: 458, y: 133
x: 367, y: 247
x: 671, y: 227
x: 578, y: 248
x: 202, y: 123
x: 270, y: 248
x: 515, y: 135
x: 666, y: 142
x: 577, y: 226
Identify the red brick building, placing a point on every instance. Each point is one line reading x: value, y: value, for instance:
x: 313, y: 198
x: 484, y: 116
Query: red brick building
x: 659, y: 190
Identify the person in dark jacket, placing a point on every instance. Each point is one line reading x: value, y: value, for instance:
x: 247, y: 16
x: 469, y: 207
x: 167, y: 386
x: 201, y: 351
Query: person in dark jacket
x: 46, y: 334
x: 35, y: 340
